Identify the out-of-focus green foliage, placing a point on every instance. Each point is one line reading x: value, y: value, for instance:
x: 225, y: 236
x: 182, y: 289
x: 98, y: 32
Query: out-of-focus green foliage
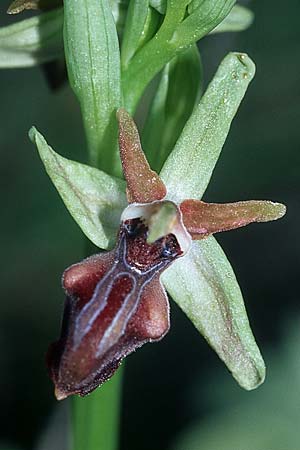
x: 266, y: 420
x: 32, y: 41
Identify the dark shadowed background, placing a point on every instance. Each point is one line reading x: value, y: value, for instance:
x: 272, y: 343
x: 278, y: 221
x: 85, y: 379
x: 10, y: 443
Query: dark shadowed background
x: 177, y: 394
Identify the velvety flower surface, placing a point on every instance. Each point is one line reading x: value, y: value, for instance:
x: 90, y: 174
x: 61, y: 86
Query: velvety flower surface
x: 115, y: 300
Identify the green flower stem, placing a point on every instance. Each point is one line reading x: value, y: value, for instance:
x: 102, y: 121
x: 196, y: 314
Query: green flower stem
x: 95, y: 419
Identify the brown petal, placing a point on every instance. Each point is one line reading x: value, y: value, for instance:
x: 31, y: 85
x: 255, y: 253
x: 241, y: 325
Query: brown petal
x: 202, y: 219
x: 143, y: 184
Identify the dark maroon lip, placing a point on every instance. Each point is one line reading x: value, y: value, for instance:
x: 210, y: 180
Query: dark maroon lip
x: 115, y: 304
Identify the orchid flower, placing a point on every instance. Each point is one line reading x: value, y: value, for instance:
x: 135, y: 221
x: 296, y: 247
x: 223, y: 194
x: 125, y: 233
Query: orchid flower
x: 116, y: 300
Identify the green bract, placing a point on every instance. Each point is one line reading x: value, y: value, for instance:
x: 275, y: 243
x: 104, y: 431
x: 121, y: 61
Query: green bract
x: 93, y: 62
x: 177, y: 33
x: 202, y: 283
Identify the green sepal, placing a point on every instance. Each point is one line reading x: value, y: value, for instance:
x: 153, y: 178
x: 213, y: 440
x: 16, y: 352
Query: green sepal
x: 189, y: 167
x: 203, y: 284
x: 32, y: 41
x: 239, y: 19
x: 178, y: 91
x: 94, y: 199
x: 93, y: 62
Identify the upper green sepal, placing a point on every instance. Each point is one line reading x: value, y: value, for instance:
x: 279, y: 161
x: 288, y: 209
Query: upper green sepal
x: 190, y: 165
x: 94, y: 199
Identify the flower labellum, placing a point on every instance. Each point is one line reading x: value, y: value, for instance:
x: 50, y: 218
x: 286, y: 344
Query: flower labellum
x: 115, y: 301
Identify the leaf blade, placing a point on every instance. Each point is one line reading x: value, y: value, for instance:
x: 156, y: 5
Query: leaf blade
x: 200, y: 143
x: 94, y: 199
x: 203, y: 284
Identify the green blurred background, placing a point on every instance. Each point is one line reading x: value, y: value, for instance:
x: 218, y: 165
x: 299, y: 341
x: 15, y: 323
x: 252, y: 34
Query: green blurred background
x: 177, y: 394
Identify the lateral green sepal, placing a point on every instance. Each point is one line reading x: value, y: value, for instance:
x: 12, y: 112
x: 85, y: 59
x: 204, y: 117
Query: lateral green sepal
x: 94, y: 199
